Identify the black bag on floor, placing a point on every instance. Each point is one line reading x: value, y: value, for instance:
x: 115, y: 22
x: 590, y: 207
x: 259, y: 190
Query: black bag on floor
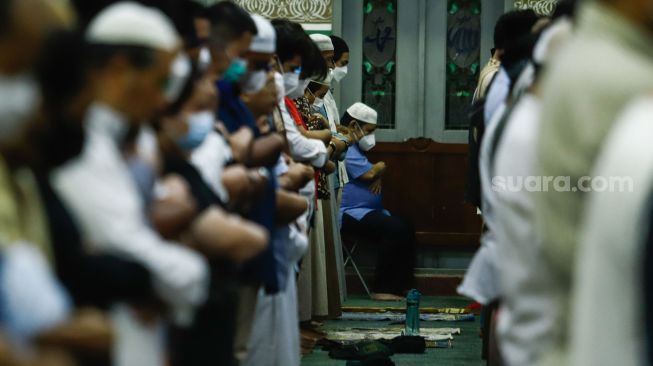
x: 364, y: 350
x: 382, y: 361
x: 407, y: 344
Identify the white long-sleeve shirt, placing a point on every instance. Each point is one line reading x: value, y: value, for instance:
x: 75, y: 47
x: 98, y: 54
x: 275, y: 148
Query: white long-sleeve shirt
x: 210, y: 159
x: 100, y: 193
x: 302, y: 148
x: 334, y: 120
x: 481, y: 281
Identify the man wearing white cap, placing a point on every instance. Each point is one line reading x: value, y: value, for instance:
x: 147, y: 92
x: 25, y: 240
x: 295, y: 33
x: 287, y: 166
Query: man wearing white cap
x: 325, y: 45
x: 337, y: 180
x: 132, y: 48
x: 259, y: 90
x: 363, y: 215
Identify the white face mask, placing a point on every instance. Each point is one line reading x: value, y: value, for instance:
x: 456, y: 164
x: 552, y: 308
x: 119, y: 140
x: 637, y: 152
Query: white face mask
x: 291, y: 81
x: 280, y: 85
x: 339, y: 73
x: 299, y: 91
x: 19, y: 99
x: 317, y: 101
x: 254, y: 81
x: 204, y: 60
x: 367, y: 142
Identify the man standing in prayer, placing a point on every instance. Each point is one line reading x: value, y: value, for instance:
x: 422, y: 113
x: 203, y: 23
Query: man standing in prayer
x: 581, y: 100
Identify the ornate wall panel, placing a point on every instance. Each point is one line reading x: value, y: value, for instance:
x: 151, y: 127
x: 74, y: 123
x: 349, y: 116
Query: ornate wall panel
x: 463, y: 60
x: 542, y: 7
x: 379, y: 58
x: 302, y: 11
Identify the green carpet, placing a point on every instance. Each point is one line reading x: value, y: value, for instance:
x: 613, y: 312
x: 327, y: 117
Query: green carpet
x: 466, y: 349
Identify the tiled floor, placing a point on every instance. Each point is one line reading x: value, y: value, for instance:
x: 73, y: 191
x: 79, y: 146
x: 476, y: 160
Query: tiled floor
x: 466, y: 350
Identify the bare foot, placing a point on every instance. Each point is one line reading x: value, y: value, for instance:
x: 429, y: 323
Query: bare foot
x: 386, y: 297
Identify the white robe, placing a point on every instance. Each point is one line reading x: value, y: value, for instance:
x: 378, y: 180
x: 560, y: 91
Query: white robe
x: 481, y: 282
x: 524, y: 319
x: 101, y: 195
x: 607, y: 320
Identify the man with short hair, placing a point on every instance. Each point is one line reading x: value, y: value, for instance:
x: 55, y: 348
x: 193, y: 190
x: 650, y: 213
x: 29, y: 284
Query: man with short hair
x: 325, y: 45
x: 511, y: 28
x: 490, y: 70
x: 232, y: 30
x: 132, y: 48
x: 339, y: 179
x: 291, y: 48
x: 581, y: 100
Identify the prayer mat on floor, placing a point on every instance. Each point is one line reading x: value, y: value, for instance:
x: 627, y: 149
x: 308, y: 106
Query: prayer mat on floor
x: 397, y: 309
x: 434, y: 336
x: 399, y: 317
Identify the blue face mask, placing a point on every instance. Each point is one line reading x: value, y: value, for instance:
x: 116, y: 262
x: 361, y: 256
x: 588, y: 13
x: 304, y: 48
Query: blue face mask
x: 199, y: 126
x: 236, y: 70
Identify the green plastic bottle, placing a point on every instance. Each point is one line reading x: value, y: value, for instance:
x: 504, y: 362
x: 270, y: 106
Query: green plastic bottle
x: 412, y: 312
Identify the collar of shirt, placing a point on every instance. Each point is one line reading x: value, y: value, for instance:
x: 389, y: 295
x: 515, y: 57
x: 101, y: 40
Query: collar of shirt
x: 232, y: 111
x: 494, y: 63
x: 105, y: 120
x: 598, y: 19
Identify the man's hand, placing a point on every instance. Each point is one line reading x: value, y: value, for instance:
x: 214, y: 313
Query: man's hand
x: 377, y: 186
x: 298, y: 176
x: 241, y: 143
x: 341, y: 147
x: 172, y: 212
x: 343, y: 130
x: 375, y: 173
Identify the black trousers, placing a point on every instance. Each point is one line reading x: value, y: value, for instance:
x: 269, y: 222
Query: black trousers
x: 394, y: 240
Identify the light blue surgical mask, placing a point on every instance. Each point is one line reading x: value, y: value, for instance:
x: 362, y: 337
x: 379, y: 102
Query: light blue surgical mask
x: 237, y: 69
x: 253, y: 82
x: 318, y: 103
x: 199, y: 126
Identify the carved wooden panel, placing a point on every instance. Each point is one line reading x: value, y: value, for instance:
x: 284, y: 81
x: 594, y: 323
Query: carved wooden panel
x: 302, y: 11
x: 542, y: 7
x: 425, y: 183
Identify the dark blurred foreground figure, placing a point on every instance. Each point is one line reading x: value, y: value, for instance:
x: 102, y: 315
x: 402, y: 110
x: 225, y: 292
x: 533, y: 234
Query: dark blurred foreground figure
x: 581, y: 102
x: 609, y: 278
x: 41, y: 130
x: 131, y: 50
x: 512, y: 154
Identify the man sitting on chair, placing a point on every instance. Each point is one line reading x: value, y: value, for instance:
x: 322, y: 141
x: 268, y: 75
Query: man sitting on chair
x: 363, y: 215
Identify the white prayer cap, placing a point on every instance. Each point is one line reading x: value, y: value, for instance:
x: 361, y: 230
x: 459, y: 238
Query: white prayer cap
x: 266, y: 39
x: 361, y: 112
x: 323, y: 42
x: 132, y: 24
